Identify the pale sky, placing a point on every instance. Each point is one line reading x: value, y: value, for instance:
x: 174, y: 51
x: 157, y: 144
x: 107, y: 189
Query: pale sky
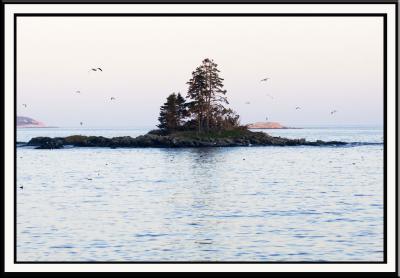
x: 318, y: 63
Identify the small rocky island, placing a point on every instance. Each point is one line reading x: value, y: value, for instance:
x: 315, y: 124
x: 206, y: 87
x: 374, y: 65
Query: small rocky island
x: 26, y: 122
x: 267, y: 125
x: 202, y: 119
x: 234, y: 138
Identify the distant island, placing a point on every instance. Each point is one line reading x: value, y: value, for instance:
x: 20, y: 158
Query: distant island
x: 202, y: 119
x: 268, y: 125
x: 28, y: 122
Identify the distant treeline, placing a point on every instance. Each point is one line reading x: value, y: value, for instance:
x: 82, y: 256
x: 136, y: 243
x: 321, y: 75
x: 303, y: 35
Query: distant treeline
x: 204, y: 108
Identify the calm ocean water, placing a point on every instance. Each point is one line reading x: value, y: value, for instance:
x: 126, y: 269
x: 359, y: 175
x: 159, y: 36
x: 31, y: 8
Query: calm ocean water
x: 209, y: 204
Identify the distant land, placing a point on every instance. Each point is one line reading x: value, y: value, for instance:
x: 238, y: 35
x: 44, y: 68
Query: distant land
x: 268, y: 125
x: 28, y: 122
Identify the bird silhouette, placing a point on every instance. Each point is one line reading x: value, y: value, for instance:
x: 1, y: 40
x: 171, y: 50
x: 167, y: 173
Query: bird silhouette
x: 112, y: 98
x: 21, y: 187
x: 265, y: 79
x: 333, y: 112
x: 297, y: 107
x: 94, y: 69
x: 24, y: 104
x: 78, y: 92
x: 99, y: 69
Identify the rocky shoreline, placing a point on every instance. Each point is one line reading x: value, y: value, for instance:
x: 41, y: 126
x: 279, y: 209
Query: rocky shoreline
x: 247, y: 138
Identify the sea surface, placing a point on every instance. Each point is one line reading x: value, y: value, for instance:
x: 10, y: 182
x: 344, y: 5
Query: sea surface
x: 266, y: 204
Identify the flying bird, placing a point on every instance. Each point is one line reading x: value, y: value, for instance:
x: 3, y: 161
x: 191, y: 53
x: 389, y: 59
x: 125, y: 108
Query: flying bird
x: 21, y: 187
x: 297, y: 107
x: 78, y: 92
x: 96, y: 69
x: 333, y: 112
x: 265, y: 79
x: 112, y: 98
x: 24, y: 105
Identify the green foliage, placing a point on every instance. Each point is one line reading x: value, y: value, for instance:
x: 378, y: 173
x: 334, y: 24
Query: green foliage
x: 172, y: 113
x: 231, y: 133
x: 75, y: 139
x: 205, y: 111
x: 208, y: 97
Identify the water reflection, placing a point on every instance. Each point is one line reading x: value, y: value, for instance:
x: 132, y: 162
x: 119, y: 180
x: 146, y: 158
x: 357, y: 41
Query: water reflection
x: 279, y: 204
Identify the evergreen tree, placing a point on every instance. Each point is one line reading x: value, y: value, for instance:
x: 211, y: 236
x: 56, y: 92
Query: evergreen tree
x: 172, y: 113
x: 208, y: 96
x: 206, y: 109
x: 196, y: 92
x: 215, y: 94
x: 182, y: 109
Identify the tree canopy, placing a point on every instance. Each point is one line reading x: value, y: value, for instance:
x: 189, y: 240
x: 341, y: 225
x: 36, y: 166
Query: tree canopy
x: 172, y: 113
x: 205, y: 110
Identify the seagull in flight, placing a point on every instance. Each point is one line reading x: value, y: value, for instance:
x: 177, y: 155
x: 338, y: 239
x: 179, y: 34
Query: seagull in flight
x: 95, y: 69
x: 265, y: 79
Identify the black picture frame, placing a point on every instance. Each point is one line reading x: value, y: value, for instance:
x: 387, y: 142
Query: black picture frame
x: 383, y: 15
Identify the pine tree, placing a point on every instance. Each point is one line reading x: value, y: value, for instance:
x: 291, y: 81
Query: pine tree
x: 207, y: 94
x: 182, y: 109
x: 215, y: 94
x: 196, y: 92
x: 172, y: 113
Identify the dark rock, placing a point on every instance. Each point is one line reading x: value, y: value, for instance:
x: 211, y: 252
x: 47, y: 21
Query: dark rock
x: 98, y: 141
x: 158, y: 132
x: 245, y: 138
x: 37, y: 141
x: 122, y: 142
x: 55, y: 143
